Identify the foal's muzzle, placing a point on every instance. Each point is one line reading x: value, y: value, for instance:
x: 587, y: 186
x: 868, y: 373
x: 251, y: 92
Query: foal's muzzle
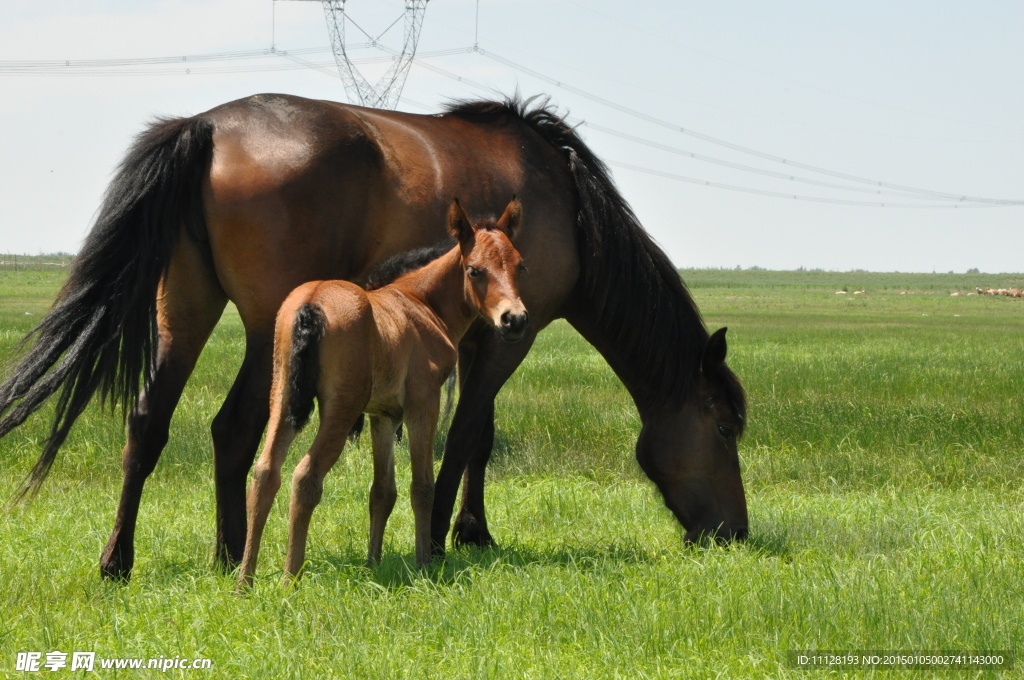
x: 513, y: 326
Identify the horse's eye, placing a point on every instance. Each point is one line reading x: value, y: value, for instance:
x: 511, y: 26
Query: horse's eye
x: 474, y: 273
x: 726, y: 431
x: 523, y: 268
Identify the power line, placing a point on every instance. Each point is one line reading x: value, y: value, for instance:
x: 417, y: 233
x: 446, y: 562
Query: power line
x: 966, y: 202
x: 116, y: 67
x: 733, y: 187
x: 779, y: 194
x: 129, y: 67
x: 748, y: 168
x: 739, y: 147
x: 191, y: 70
x: 620, y: 22
x: 74, y: 64
x: 750, y: 114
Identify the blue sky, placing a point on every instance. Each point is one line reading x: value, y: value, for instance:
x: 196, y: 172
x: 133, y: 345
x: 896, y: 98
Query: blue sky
x: 925, y: 94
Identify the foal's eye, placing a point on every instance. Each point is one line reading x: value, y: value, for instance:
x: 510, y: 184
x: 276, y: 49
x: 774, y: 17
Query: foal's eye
x: 474, y: 273
x: 726, y: 431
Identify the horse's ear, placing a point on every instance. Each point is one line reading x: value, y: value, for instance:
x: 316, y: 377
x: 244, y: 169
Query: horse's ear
x: 510, y: 219
x: 458, y: 223
x: 714, y: 353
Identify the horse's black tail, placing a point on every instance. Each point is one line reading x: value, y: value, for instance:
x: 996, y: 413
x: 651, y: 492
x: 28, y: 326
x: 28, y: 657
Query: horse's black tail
x: 304, y: 363
x: 101, y: 332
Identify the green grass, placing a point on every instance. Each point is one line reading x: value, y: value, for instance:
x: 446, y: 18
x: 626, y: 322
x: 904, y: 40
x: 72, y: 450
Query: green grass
x: 883, y: 466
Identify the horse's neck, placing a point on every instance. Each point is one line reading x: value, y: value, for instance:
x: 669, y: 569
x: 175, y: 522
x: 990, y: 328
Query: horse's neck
x: 622, y: 362
x: 440, y: 286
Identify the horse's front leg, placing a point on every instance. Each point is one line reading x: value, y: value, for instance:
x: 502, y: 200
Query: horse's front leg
x: 483, y: 375
x: 470, y: 525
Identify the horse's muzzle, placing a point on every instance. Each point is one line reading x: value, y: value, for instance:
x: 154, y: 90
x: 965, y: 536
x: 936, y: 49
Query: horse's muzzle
x: 721, y: 536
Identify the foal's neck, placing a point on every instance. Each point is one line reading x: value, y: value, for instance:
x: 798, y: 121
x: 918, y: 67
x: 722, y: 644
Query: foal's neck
x: 441, y: 286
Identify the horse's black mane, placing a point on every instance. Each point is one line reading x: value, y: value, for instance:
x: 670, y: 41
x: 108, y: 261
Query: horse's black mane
x: 635, y: 296
x: 403, y: 263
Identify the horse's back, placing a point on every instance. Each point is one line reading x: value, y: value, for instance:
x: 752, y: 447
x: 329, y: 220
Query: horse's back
x: 301, y: 189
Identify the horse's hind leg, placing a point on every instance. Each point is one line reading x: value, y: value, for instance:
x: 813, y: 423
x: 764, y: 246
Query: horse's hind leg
x: 189, y: 303
x: 383, y: 492
x: 236, y: 435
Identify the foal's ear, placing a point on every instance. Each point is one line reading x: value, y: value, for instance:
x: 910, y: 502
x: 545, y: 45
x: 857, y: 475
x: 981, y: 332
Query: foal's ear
x: 714, y: 353
x: 509, y: 220
x: 458, y: 223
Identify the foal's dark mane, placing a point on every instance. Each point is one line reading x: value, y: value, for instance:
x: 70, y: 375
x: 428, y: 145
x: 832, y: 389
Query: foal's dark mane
x: 403, y: 263
x: 634, y: 293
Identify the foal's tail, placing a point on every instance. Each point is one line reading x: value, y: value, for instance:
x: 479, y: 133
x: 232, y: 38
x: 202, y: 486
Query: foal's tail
x: 101, y: 332
x: 304, y: 363
x: 304, y: 367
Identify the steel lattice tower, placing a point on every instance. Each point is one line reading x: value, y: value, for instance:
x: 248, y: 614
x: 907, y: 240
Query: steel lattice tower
x: 386, y: 92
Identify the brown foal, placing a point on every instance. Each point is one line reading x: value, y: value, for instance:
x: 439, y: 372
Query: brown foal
x: 387, y: 353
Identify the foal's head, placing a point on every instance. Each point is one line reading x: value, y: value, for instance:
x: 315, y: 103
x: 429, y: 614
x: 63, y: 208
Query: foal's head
x: 491, y: 267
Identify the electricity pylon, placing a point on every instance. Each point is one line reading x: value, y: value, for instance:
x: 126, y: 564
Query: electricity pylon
x: 386, y: 92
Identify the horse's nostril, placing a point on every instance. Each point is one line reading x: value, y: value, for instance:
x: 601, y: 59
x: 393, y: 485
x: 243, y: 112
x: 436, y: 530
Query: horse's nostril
x: 506, y: 319
x: 740, y: 534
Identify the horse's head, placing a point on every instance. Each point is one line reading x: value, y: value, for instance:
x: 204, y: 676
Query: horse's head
x: 690, y: 452
x: 491, y: 267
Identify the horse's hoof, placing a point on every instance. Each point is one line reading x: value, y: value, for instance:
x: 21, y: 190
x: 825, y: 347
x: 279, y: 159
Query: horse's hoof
x: 116, y: 565
x: 115, y: 572
x: 225, y: 563
x: 467, y: 531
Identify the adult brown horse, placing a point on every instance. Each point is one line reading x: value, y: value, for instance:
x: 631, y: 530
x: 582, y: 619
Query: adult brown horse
x: 255, y: 197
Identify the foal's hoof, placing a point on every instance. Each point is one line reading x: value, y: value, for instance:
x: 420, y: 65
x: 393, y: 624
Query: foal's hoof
x: 467, y: 531
x: 243, y: 586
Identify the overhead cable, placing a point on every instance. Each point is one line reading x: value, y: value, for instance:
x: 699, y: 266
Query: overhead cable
x: 797, y: 197
x: 738, y: 147
x: 748, y: 168
x: 89, y: 67
x: 620, y: 22
x: 734, y: 187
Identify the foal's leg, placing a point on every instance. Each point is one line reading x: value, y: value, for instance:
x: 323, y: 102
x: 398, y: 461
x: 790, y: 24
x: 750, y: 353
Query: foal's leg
x: 492, y: 364
x: 266, y: 480
x: 189, y: 303
x: 421, y: 422
x: 336, y: 420
x: 236, y: 435
x: 382, y: 492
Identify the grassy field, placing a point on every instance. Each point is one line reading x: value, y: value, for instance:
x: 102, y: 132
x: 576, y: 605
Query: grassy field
x: 883, y: 464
